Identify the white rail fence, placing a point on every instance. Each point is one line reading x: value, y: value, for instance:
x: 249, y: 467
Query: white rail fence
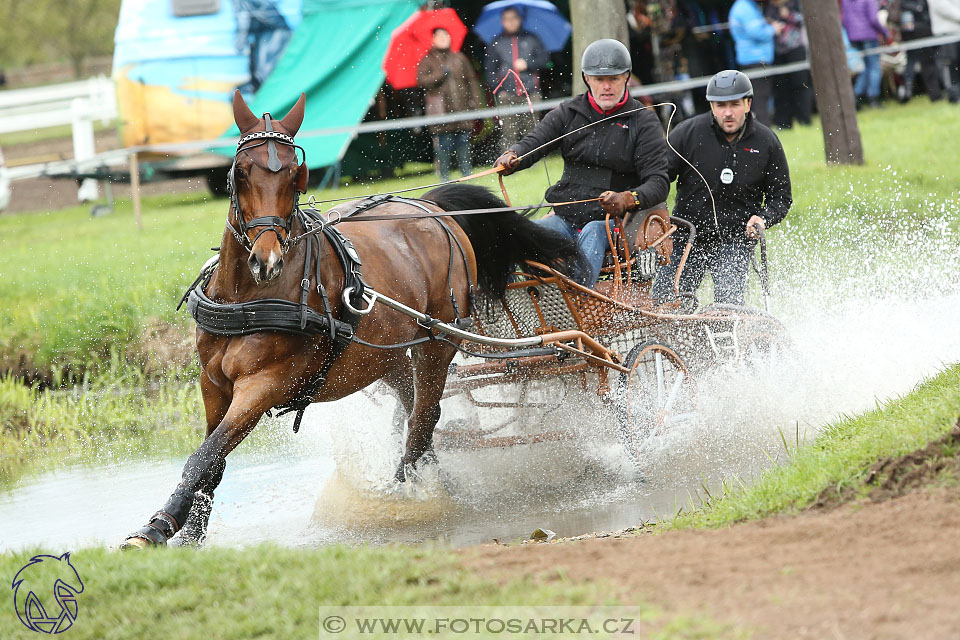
x: 55, y: 105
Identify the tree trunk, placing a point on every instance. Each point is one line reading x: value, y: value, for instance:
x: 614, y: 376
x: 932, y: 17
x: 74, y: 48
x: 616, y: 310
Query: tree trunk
x: 594, y: 20
x: 831, y: 83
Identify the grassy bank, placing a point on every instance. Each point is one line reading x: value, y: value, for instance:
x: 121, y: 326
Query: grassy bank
x: 114, y: 415
x: 839, y: 459
x: 128, y: 595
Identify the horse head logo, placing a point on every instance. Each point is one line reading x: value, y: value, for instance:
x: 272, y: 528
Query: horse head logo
x: 32, y: 587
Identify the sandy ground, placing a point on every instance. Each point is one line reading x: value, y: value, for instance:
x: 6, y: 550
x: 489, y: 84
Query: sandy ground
x: 45, y: 194
x: 868, y: 569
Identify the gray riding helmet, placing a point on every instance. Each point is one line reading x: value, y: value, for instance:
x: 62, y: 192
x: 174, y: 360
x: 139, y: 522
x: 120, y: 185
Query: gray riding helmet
x: 729, y: 85
x: 605, y: 58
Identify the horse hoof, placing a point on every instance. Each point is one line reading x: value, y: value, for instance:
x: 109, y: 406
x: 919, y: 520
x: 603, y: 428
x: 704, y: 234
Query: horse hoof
x: 133, y: 543
x: 145, y: 537
x: 400, y: 475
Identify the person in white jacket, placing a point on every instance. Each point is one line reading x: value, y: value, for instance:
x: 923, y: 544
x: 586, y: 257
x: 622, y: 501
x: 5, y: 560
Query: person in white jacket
x: 944, y: 20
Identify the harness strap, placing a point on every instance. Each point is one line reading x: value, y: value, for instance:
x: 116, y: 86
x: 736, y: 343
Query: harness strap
x: 471, y: 291
x: 350, y: 261
x: 305, y: 283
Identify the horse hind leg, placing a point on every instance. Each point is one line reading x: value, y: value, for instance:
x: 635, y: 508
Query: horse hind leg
x: 431, y: 362
x: 400, y: 379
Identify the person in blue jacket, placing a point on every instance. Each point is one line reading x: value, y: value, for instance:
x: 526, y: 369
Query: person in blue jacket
x: 753, y: 44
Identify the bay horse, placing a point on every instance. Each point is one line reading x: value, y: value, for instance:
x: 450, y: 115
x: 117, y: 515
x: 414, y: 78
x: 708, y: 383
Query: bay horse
x: 413, y: 261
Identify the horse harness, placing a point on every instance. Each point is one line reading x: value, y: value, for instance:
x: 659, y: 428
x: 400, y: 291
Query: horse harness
x: 275, y: 314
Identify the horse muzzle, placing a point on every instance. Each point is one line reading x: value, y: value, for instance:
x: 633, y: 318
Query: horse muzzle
x: 264, y: 271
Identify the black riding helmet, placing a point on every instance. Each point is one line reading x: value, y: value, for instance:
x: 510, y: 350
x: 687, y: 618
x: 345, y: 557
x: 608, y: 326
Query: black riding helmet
x: 729, y: 85
x: 605, y: 58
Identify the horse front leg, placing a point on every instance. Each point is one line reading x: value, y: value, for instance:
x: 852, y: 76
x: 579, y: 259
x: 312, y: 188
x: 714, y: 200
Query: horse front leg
x: 431, y: 362
x: 204, y: 468
x: 216, y: 402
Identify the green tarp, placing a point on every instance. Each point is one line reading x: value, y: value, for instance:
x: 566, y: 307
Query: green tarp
x: 335, y: 57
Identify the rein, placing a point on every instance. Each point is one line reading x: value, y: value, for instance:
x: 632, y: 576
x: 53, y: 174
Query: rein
x: 499, y: 170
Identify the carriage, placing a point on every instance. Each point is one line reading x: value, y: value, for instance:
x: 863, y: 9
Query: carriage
x: 640, y: 356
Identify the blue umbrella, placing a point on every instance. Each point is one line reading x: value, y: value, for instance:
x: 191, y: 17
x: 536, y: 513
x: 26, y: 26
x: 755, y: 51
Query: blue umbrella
x: 539, y: 17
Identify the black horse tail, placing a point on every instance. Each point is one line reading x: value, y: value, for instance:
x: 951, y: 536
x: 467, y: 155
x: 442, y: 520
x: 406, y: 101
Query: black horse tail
x: 502, y: 240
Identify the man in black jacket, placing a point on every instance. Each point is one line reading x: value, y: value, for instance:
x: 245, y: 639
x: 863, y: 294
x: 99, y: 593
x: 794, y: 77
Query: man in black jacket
x: 615, y: 150
x: 746, y: 172
x: 524, y: 53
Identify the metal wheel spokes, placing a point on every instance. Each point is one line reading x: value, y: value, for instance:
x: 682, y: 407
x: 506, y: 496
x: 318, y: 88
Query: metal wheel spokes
x: 765, y: 355
x: 655, y: 395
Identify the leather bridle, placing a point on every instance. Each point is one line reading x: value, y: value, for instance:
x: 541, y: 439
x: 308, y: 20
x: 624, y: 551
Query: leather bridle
x: 273, y: 223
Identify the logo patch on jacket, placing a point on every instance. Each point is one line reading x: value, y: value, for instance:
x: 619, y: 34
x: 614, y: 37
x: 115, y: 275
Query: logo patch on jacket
x: 751, y: 150
x: 622, y: 125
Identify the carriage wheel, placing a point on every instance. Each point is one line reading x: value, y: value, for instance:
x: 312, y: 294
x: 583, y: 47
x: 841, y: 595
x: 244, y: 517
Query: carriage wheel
x: 655, y: 395
x: 766, y: 353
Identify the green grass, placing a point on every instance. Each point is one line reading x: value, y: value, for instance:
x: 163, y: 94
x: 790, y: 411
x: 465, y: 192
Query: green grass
x: 839, y: 457
x: 64, y: 131
x: 270, y: 592
x: 114, y: 415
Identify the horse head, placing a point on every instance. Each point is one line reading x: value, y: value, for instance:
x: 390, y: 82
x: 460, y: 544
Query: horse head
x: 264, y: 184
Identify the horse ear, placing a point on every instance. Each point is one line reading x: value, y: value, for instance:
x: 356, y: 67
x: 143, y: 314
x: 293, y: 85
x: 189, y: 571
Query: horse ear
x: 303, y: 174
x: 242, y: 114
x: 294, y: 118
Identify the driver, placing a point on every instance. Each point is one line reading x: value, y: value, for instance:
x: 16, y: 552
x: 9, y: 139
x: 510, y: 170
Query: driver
x: 746, y: 169
x: 622, y: 160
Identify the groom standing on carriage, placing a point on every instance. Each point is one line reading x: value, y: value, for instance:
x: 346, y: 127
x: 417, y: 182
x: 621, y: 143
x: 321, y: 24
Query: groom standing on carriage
x: 740, y: 186
x: 613, y: 149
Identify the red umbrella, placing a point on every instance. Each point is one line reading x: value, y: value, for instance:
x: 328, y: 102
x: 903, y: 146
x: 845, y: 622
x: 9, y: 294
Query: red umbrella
x: 411, y: 41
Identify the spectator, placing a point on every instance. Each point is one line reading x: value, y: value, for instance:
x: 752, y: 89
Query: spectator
x: 641, y: 42
x: 792, y: 97
x: 945, y: 19
x: 450, y: 84
x: 670, y: 29
x: 864, y: 29
x: 915, y: 24
x: 523, y: 52
x: 661, y: 28
x: 753, y: 42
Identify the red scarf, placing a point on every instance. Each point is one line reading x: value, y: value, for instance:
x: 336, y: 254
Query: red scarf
x: 593, y: 103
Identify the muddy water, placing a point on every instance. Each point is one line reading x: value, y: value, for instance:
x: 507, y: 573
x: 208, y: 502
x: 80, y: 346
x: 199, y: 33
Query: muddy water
x: 865, y: 330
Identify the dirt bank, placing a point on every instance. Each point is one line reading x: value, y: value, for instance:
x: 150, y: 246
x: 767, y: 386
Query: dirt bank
x: 882, y: 567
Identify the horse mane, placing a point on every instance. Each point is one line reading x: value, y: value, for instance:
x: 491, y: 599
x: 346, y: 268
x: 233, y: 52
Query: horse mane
x: 504, y: 239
